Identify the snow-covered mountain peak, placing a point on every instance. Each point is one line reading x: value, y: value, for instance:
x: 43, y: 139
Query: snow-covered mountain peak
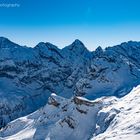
x: 78, y: 42
x: 98, y: 51
x: 77, y: 47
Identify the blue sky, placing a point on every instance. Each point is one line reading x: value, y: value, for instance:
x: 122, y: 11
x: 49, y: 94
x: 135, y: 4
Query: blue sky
x: 95, y: 22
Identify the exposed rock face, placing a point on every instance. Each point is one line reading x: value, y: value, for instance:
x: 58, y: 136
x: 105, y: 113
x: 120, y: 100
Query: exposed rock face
x: 81, y: 101
x: 53, y: 101
x: 29, y: 75
x: 60, y: 119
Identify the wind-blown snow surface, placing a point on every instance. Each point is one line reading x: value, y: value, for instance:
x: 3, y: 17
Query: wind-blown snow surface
x: 29, y: 75
x: 106, y: 118
x: 126, y: 124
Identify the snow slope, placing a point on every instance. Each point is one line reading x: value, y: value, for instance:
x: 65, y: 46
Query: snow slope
x: 60, y: 119
x: 126, y: 124
x: 106, y: 118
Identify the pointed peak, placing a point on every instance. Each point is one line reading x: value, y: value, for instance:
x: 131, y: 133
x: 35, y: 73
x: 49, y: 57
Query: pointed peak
x: 99, y: 51
x: 78, y: 42
x: 77, y: 45
x: 99, y: 48
x: 76, y: 49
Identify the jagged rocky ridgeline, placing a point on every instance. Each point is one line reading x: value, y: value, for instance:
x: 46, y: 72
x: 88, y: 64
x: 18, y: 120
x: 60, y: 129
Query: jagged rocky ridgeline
x: 29, y: 75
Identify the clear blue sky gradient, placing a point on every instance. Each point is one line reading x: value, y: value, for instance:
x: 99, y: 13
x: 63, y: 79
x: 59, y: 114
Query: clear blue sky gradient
x: 95, y: 22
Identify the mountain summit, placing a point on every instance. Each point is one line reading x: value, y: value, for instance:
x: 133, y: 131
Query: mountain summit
x: 77, y: 47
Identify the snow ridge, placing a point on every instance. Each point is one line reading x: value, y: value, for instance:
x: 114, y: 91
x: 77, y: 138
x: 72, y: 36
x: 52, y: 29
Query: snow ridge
x: 106, y: 118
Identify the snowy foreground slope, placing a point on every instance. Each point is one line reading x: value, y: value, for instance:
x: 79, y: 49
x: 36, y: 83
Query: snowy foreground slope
x: 106, y: 118
x: 126, y: 124
x: 29, y: 75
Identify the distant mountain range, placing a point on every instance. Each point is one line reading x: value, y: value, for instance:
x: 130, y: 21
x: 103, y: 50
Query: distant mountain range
x: 28, y: 77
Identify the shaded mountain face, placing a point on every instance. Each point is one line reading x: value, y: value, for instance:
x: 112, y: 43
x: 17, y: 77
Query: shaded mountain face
x: 106, y: 118
x: 29, y: 75
x: 113, y: 71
